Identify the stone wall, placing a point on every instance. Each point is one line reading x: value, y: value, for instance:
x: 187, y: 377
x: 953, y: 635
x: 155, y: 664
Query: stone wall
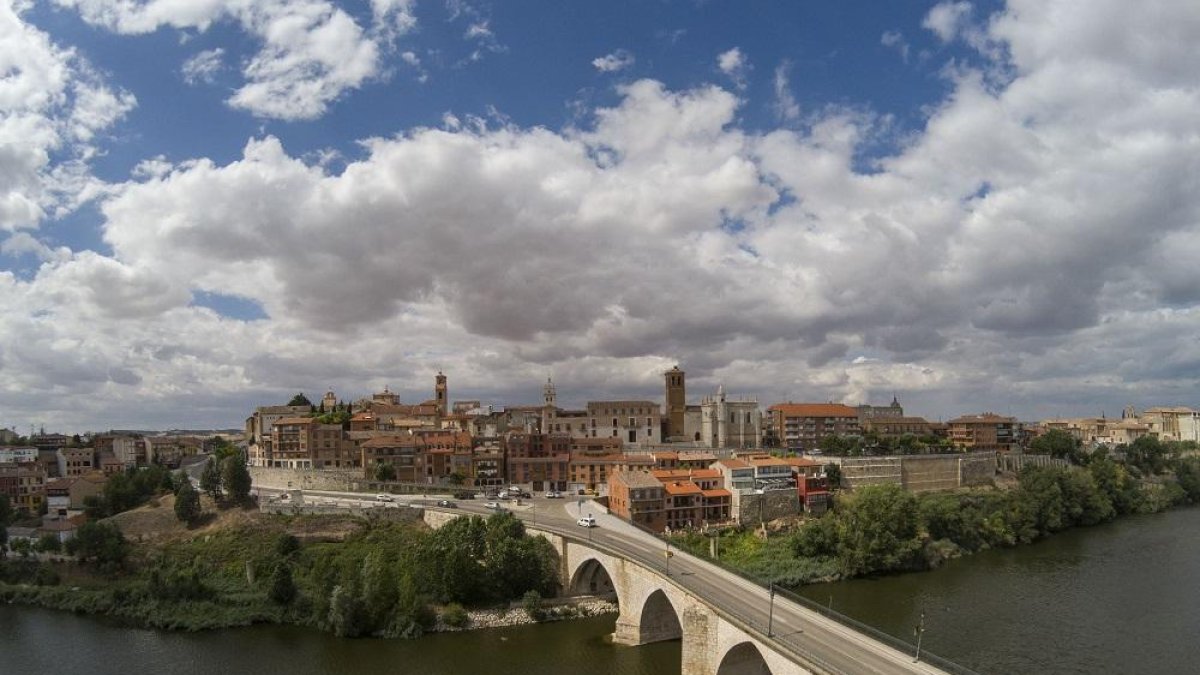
x: 1016, y: 461
x: 928, y: 473
x: 775, y: 504
x: 304, y: 479
x: 978, y: 468
x: 860, y: 471
x: 920, y: 473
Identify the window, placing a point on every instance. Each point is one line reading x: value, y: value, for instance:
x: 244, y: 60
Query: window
x: 633, y: 435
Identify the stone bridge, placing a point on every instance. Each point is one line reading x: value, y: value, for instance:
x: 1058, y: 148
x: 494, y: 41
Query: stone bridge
x: 653, y: 609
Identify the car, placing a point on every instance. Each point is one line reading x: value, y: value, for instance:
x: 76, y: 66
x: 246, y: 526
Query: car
x: 463, y: 494
x: 495, y: 506
x: 524, y: 494
x: 554, y: 494
x: 285, y: 496
x: 586, y: 521
x: 384, y: 498
x: 447, y: 504
x: 504, y: 494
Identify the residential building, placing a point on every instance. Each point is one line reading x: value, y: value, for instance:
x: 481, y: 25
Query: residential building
x: 896, y: 427
x: 987, y: 431
x: 24, y: 484
x: 75, y: 461
x: 398, y: 451
x: 541, y: 461
x: 18, y: 454
x: 638, y: 497
x: 636, y: 423
x: 67, y: 495
x: 800, y: 427
x: 1173, y: 423
x: 589, y: 472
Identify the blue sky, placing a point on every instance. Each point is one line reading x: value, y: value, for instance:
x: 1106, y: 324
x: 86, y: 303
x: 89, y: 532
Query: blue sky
x: 976, y: 205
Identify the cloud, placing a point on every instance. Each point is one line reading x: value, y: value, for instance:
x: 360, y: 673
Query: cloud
x: 53, y: 105
x: 895, y: 40
x: 611, y: 63
x: 735, y: 65
x: 311, y: 52
x: 1030, y: 250
x: 785, y: 105
x: 947, y: 19
x: 203, y: 67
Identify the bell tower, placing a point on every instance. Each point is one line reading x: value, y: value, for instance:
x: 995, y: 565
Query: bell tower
x: 676, y: 403
x: 440, y: 393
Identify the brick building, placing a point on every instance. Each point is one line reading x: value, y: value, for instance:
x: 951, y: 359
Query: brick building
x: 800, y: 427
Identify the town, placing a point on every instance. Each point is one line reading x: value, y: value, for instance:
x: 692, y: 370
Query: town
x: 676, y: 464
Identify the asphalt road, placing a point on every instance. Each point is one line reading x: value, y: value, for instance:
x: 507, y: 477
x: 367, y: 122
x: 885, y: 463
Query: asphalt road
x: 822, y: 643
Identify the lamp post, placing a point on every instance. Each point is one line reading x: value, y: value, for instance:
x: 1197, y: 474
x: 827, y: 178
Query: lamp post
x: 919, y: 629
x: 771, y: 610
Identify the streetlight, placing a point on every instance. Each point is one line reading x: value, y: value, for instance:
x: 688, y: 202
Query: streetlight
x: 771, y: 609
x: 919, y: 629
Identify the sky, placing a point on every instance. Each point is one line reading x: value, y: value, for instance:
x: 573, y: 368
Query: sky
x: 208, y: 205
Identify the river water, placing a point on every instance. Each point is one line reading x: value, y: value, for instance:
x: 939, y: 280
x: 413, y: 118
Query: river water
x: 1119, y: 598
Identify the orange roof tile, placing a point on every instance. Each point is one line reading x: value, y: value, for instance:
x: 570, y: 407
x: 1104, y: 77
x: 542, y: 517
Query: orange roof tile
x: 733, y: 464
x: 682, y: 488
x: 718, y: 492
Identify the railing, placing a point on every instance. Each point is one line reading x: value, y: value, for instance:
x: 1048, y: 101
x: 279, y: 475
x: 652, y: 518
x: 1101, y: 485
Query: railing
x: 888, y: 639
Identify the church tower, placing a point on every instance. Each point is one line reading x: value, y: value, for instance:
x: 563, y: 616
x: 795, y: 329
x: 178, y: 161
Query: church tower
x: 549, y: 407
x: 548, y: 395
x: 676, y: 403
x: 440, y: 394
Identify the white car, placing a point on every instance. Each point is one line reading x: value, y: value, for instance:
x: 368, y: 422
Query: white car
x: 586, y: 521
x: 494, y: 506
x: 384, y: 498
x: 554, y: 494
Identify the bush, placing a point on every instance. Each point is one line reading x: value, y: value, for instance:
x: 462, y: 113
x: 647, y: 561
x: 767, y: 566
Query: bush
x: 455, y: 616
x: 531, y: 602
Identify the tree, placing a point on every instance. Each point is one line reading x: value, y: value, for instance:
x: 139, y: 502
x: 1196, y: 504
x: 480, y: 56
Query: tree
x: 385, y: 472
x: 187, y: 503
x: 49, y: 543
x: 877, y: 530
x: 210, y: 479
x: 531, y: 602
x: 6, y: 510
x: 283, y: 588
x: 101, y: 543
x: 3, y: 538
x: 300, y: 399
x: 286, y: 546
x: 1060, y: 444
x: 235, y: 479
x: 834, y: 473
x: 1187, y: 472
x: 1147, y: 454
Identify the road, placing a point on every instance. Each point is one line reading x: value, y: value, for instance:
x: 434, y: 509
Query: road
x: 818, y: 640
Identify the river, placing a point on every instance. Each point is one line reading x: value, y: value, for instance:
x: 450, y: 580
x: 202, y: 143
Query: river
x: 1118, y: 598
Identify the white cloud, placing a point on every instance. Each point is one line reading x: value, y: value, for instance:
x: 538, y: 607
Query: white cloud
x: 735, y: 65
x: 611, y: 63
x: 203, y: 67
x: 1031, y: 249
x: 52, y: 107
x: 948, y: 18
x: 311, y: 53
x: 785, y: 105
x: 895, y: 40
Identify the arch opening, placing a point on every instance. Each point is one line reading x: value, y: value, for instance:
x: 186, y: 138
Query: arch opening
x: 743, y: 659
x: 592, y: 579
x: 659, y: 621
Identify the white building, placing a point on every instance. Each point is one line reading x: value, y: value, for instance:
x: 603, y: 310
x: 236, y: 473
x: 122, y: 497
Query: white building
x: 730, y: 424
x: 636, y: 423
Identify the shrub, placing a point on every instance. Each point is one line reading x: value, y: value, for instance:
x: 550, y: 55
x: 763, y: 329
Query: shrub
x: 455, y: 616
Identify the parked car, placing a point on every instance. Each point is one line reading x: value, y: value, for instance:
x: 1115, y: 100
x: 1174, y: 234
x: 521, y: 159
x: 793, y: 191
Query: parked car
x: 446, y: 503
x: 384, y: 498
x: 504, y: 494
x: 586, y: 521
x: 495, y: 506
x: 554, y: 494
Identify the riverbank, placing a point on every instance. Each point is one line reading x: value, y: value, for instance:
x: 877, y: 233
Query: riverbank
x: 505, y: 617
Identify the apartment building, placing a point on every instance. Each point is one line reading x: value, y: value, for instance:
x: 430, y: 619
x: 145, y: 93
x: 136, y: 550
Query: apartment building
x: 800, y: 427
x: 986, y: 431
x: 634, y: 422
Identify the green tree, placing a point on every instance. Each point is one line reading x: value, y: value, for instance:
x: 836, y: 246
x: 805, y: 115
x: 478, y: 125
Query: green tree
x: 6, y: 510
x: 121, y: 494
x: 22, y: 547
x: 235, y: 479
x: 1060, y: 444
x: 3, y: 538
x: 345, y: 612
x: 283, y: 587
x: 300, y: 399
x: 187, y: 502
x: 385, y: 472
x: 531, y: 602
x: 1147, y: 454
x: 286, y: 546
x: 1187, y: 472
x: 834, y: 473
x: 101, y: 543
x: 877, y: 530
x: 210, y: 479
x: 49, y: 543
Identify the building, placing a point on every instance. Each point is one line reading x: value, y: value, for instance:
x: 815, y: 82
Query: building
x: 24, y: 484
x: 75, y: 461
x: 872, y: 412
x: 730, y: 424
x: 16, y: 454
x: 639, y: 498
x: 800, y: 427
x: 441, y: 394
x: 634, y: 422
x: 987, y: 431
x: 896, y: 427
x: 541, y: 461
x: 589, y: 472
x: 1175, y: 423
x: 676, y: 404
x: 259, y: 424
x: 66, y: 495
x: 398, y: 451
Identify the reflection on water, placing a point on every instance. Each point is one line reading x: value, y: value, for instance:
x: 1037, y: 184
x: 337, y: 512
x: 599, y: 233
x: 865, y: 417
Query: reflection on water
x: 1118, y: 598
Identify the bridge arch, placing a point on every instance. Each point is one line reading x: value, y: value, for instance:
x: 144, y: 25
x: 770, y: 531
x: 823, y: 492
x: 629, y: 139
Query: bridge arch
x: 743, y: 658
x: 591, y: 577
x: 659, y: 619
